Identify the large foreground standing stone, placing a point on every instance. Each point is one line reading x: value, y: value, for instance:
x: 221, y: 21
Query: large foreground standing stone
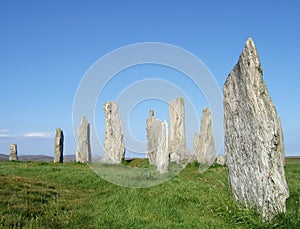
x: 162, y: 157
x: 83, y: 152
x: 13, y: 152
x: 114, y: 148
x: 253, y: 138
x: 204, y: 145
x: 177, y: 142
x: 58, y: 146
x: 152, y: 130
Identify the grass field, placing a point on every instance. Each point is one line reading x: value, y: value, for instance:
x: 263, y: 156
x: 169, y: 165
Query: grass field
x: 71, y: 195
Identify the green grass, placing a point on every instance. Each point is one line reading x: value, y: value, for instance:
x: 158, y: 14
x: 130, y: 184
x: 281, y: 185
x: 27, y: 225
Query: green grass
x: 71, y: 195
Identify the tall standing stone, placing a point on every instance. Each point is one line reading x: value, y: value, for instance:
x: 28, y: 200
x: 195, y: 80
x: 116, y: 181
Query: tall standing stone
x: 114, y: 148
x: 83, y: 153
x: 253, y: 138
x: 58, y: 146
x: 13, y: 152
x: 204, y: 145
x: 162, y: 157
x: 177, y: 142
x: 152, y: 130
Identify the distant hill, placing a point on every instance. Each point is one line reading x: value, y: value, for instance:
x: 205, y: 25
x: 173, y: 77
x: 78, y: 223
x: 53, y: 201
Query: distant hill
x: 35, y: 158
x: 3, y: 157
x: 42, y: 158
x: 71, y: 158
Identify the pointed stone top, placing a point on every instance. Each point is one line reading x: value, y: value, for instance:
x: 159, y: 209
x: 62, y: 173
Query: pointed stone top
x: 206, y: 110
x: 250, y: 42
x: 249, y: 56
x: 110, y: 105
x: 151, y: 113
x: 250, y: 46
x: 84, y: 120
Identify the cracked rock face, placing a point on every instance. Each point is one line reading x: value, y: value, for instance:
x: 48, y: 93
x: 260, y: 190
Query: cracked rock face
x: 253, y: 138
x: 58, y: 146
x: 204, y: 145
x: 162, y: 157
x: 114, y: 148
x: 177, y: 142
x: 152, y: 130
x: 83, y: 152
x: 13, y: 154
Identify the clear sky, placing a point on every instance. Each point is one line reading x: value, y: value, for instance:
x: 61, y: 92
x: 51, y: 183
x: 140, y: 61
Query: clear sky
x: 47, y: 46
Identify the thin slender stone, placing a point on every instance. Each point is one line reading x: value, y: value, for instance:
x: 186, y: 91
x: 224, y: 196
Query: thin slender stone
x: 114, y: 148
x: 83, y: 153
x: 152, y: 130
x: 177, y: 141
x: 204, y: 146
x: 13, y: 152
x: 162, y: 158
x: 58, y: 146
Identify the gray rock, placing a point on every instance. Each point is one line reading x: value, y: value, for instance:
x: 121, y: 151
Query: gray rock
x: 162, y: 157
x: 83, y: 152
x: 204, y: 145
x: 253, y: 138
x: 152, y: 130
x: 177, y: 141
x: 58, y: 146
x: 221, y: 160
x: 13, y: 152
x: 114, y: 148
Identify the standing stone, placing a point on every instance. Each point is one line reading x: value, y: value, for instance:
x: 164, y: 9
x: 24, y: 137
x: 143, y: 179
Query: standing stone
x: 253, y: 138
x: 83, y: 153
x: 204, y: 145
x: 58, y: 146
x: 162, y: 157
x: 221, y: 160
x: 114, y: 148
x: 13, y: 152
x: 152, y: 130
x: 177, y: 143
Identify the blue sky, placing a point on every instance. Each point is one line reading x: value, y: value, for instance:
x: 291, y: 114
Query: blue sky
x: 47, y: 46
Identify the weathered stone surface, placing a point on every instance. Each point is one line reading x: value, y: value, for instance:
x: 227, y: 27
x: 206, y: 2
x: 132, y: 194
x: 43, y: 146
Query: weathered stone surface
x: 221, y: 160
x: 58, y: 146
x: 204, y: 145
x: 253, y: 138
x: 162, y: 157
x: 177, y: 141
x: 114, y: 148
x: 152, y: 130
x: 13, y: 152
x: 83, y: 152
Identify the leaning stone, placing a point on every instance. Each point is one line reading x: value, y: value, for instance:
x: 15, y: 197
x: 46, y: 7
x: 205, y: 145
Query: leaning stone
x: 162, y: 157
x: 13, y: 152
x: 253, y: 138
x: 204, y: 145
x: 114, y: 148
x: 177, y: 141
x: 221, y: 160
x: 58, y: 146
x: 152, y: 130
x: 83, y: 153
